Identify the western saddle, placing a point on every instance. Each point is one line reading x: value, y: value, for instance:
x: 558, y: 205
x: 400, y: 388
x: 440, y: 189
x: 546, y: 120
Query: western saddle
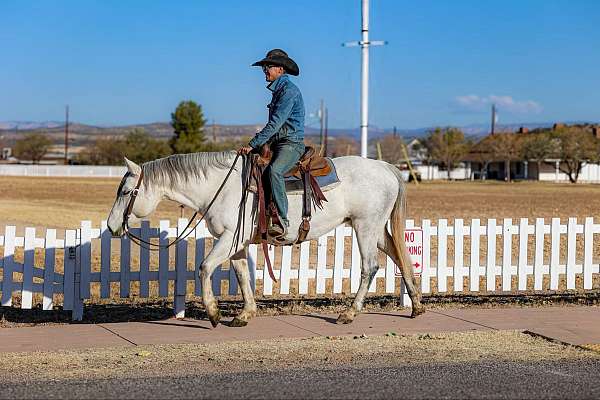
x: 306, y: 169
x: 310, y: 160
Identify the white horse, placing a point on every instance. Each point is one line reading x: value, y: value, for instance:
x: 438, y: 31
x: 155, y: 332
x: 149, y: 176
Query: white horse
x: 369, y: 194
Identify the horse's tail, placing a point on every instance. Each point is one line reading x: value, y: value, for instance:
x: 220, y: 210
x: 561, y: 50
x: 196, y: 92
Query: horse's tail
x: 397, y: 220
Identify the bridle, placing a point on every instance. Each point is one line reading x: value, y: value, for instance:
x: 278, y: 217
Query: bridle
x: 183, y: 235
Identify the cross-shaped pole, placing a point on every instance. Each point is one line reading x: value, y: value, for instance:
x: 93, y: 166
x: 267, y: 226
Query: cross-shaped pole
x: 364, y: 76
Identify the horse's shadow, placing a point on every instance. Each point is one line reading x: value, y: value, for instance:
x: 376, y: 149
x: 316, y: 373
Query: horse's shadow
x: 333, y: 320
x: 159, y: 312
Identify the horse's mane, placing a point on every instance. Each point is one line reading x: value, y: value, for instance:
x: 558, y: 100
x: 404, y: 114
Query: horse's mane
x: 178, y: 168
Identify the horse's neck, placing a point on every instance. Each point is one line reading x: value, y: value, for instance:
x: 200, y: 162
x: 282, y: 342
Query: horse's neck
x: 198, y: 193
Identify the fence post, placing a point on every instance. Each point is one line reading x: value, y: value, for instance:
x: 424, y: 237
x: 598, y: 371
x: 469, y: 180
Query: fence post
x: 28, y: 261
x: 490, y: 271
x: 163, y: 259
x: 105, y: 253
x: 7, y: 276
x: 70, y: 257
x: 507, y: 254
x: 571, y: 250
x: 303, y: 268
x: 474, y: 271
x: 180, y: 271
x: 588, y: 237
x: 338, y: 259
x: 77, y: 313
x: 442, y: 256
x: 49, y: 260
x: 459, y: 232
x: 523, y: 247
x: 426, y: 270
x: 555, y: 253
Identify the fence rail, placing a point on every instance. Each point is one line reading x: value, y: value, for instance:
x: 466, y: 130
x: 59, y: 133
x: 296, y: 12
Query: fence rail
x: 473, y: 257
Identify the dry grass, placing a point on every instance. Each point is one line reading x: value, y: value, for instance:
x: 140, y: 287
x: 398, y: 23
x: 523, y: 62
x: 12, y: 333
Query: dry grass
x: 287, y: 354
x: 64, y: 202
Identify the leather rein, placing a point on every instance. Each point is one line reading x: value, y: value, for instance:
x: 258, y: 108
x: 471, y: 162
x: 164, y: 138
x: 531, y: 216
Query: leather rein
x: 154, y: 246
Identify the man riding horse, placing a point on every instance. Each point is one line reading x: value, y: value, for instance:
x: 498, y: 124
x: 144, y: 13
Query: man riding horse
x: 284, y: 131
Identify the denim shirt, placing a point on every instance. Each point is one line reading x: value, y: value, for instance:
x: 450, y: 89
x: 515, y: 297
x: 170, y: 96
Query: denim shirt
x: 286, y: 114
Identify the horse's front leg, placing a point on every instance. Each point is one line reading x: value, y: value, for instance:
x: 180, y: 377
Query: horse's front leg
x: 239, y: 262
x: 219, y: 253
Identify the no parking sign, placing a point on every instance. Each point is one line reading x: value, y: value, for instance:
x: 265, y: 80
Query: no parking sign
x: 414, y: 244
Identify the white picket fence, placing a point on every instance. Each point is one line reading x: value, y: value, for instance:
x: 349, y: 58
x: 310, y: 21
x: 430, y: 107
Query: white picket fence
x: 489, y: 255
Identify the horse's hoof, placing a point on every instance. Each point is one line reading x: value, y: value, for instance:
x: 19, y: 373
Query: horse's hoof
x: 416, y: 311
x: 238, y: 323
x: 344, y: 319
x: 214, y: 319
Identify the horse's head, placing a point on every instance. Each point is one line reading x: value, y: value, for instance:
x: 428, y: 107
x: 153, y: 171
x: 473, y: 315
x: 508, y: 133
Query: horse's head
x: 132, y: 193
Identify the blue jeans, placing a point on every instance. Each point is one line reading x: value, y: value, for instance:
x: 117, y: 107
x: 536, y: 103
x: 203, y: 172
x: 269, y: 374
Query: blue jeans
x: 285, y: 155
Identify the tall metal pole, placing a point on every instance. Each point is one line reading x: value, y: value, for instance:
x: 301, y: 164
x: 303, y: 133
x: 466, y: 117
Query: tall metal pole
x: 325, y: 131
x: 67, y: 135
x: 321, y: 120
x: 364, y: 43
x: 364, y: 80
x: 493, y: 119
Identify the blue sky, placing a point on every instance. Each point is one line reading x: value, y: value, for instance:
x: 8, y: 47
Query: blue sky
x: 118, y: 62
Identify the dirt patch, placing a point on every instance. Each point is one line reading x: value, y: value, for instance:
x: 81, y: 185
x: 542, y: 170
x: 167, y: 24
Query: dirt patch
x: 330, y: 352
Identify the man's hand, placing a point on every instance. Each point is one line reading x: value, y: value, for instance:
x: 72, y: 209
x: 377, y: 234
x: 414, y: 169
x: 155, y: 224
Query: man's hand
x: 245, y: 150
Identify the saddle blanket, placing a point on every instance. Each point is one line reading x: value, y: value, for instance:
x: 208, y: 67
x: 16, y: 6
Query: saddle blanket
x: 327, y: 182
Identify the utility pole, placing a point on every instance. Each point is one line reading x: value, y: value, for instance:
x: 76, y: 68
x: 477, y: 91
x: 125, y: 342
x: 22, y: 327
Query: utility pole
x: 326, y: 131
x: 493, y: 119
x: 364, y: 43
x: 214, y: 133
x: 67, y: 134
x: 321, y: 113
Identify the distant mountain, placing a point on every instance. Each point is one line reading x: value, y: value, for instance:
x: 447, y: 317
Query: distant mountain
x: 20, y: 125
x: 82, y: 134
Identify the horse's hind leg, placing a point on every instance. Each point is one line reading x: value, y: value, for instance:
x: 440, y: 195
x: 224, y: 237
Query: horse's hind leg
x: 240, y: 264
x: 386, y: 245
x: 367, y: 243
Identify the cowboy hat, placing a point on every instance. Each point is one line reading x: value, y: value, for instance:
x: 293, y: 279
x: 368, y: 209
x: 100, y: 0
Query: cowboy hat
x: 279, y: 58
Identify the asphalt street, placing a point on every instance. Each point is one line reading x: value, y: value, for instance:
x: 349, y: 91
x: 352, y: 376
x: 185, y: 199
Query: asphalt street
x: 492, y: 380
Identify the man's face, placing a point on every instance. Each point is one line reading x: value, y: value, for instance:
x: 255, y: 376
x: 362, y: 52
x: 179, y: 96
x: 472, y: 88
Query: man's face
x: 272, y: 72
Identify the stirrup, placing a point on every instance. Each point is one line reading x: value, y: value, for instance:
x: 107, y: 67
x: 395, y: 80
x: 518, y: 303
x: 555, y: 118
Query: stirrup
x: 277, y: 231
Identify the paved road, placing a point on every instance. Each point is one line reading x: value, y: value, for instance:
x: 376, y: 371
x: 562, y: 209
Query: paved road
x: 501, y: 380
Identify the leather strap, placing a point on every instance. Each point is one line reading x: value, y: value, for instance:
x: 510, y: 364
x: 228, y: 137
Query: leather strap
x: 262, y: 217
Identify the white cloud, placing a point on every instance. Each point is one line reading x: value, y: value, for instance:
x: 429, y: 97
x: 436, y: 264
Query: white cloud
x: 476, y: 103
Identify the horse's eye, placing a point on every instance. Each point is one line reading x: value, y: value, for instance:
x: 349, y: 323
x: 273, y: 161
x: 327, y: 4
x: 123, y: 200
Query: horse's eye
x: 126, y: 192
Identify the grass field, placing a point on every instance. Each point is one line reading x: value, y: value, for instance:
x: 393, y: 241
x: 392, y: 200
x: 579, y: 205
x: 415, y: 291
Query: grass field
x: 64, y: 202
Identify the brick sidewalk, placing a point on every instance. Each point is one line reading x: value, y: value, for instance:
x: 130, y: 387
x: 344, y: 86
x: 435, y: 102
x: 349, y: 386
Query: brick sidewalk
x: 578, y: 325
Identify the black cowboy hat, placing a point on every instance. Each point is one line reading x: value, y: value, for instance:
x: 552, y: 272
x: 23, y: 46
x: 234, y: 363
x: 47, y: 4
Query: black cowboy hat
x: 279, y: 58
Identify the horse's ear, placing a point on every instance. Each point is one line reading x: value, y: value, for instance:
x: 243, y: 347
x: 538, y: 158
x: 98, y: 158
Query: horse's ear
x: 133, y: 168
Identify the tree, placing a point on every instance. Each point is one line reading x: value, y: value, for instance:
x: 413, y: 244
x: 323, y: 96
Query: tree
x: 575, y: 148
x: 391, y: 149
x: 188, y: 123
x: 506, y: 147
x: 140, y: 147
x: 137, y: 145
x: 447, y: 146
x: 340, y: 146
x: 104, y: 151
x: 33, y: 146
x: 539, y: 147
